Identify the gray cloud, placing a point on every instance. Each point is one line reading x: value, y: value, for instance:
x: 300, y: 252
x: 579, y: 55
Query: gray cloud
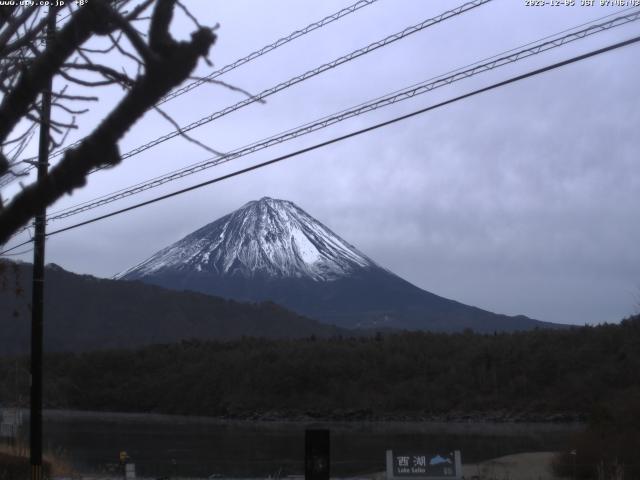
x: 522, y: 200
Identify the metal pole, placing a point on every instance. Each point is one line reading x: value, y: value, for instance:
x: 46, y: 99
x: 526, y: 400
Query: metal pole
x: 37, y: 299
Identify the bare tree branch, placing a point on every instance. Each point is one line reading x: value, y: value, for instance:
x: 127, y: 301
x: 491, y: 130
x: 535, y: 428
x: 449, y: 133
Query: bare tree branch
x: 105, y: 71
x: 69, y: 110
x: 14, y: 26
x: 81, y: 26
x: 116, y: 44
x: 28, y: 37
x: 6, y: 13
x: 132, y: 35
x: 171, y: 63
x: 83, y: 98
x: 86, y: 83
x: 188, y: 14
x: 184, y: 134
x: 230, y: 87
x: 135, y: 13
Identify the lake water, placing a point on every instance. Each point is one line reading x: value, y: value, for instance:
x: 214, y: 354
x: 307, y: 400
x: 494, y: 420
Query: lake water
x: 163, y: 445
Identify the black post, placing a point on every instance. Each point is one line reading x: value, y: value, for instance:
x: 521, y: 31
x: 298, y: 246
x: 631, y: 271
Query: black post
x: 37, y: 299
x: 317, y: 458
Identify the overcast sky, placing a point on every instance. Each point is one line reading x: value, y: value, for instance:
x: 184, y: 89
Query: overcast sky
x: 522, y: 200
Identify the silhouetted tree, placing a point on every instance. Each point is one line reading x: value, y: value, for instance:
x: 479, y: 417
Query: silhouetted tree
x: 28, y: 63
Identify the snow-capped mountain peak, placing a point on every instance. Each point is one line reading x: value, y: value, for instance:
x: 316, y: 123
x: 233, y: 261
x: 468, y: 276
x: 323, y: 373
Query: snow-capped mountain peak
x: 267, y: 237
x: 272, y: 250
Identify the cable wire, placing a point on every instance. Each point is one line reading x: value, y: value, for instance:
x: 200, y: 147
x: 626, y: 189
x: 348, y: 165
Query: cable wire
x: 392, y: 98
x: 17, y: 254
x: 302, y: 77
x: 494, y: 86
x: 239, y: 62
x: 310, y: 74
x: 267, y: 48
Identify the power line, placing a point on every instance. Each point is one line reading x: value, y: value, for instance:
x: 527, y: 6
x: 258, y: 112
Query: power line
x: 304, y: 76
x: 267, y: 48
x: 255, y: 54
x: 381, y: 97
x: 310, y: 74
x: 414, y: 90
x: 395, y: 97
x: 347, y: 136
x: 239, y: 62
x: 17, y: 254
x: 15, y: 247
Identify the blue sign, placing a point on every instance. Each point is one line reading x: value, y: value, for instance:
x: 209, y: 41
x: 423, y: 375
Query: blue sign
x: 423, y: 465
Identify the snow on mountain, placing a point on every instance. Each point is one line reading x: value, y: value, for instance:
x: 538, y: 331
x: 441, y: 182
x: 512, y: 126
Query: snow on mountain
x: 271, y: 250
x: 267, y: 237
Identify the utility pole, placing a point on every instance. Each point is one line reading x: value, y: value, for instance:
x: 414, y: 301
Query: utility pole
x: 37, y: 299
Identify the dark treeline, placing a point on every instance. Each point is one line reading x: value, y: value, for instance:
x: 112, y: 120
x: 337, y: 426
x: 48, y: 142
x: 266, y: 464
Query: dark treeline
x: 578, y: 371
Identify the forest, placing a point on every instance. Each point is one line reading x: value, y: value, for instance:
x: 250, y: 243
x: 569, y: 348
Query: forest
x: 589, y: 373
x: 535, y: 375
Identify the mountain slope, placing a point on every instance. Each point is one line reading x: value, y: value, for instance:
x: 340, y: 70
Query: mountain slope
x: 273, y: 250
x: 86, y: 313
x: 269, y: 238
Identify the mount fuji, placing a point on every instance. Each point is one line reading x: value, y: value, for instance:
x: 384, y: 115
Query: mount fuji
x: 273, y: 250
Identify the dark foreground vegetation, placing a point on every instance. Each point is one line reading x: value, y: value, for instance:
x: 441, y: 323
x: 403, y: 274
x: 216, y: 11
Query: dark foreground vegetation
x: 17, y: 466
x: 532, y: 375
x: 608, y: 449
x: 592, y: 373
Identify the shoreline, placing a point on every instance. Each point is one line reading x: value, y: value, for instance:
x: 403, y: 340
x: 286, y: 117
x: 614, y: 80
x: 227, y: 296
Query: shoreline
x: 468, y: 422
x: 153, y: 439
